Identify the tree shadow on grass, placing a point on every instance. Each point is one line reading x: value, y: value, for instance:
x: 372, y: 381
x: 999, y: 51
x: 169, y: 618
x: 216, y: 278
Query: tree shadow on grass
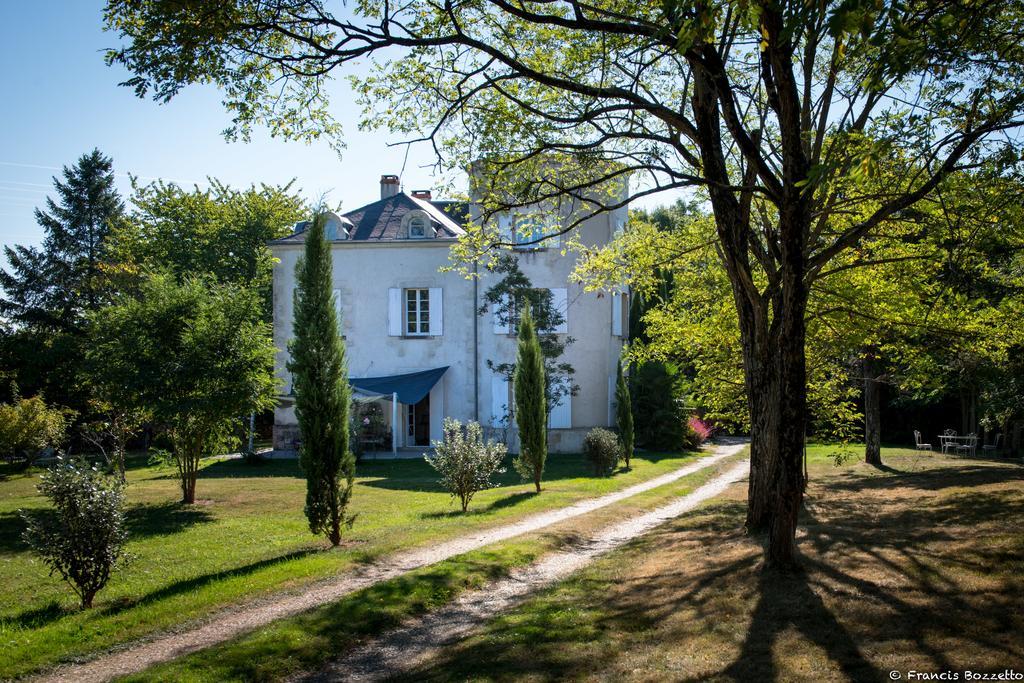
x: 11, y: 529
x: 415, y: 475
x: 881, y: 578
x: 331, y: 631
x: 197, y: 582
x: 510, y: 500
x: 37, y: 617
x: 163, y: 518
x: 933, y: 479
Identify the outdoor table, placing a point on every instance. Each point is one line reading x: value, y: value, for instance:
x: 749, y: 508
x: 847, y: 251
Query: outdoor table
x: 966, y: 440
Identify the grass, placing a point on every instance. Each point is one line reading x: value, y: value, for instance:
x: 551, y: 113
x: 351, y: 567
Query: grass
x: 308, y: 641
x: 918, y: 565
x: 246, y: 537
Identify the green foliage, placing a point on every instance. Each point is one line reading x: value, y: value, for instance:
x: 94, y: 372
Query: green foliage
x: 28, y: 427
x: 322, y: 393
x: 657, y: 408
x: 623, y: 413
x: 56, y: 286
x: 464, y: 461
x: 219, y: 232
x: 506, y: 299
x: 531, y: 405
x: 603, y: 450
x: 47, y: 293
x: 194, y: 356
x: 83, y: 540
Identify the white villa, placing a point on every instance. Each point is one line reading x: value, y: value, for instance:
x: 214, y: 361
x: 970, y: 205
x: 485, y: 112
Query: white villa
x: 414, y: 336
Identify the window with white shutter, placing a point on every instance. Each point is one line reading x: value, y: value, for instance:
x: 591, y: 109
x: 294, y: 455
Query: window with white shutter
x: 417, y: 312
x: 560, y: 413
x: 337, y: 311
x: 394, y: 312
x: 435, y: 323
x: 616, y: 314
x: 501, y: 402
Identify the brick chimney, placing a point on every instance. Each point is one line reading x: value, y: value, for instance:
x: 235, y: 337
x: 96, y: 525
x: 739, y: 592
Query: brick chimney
x: 421, y: 194
x: 388, y: 186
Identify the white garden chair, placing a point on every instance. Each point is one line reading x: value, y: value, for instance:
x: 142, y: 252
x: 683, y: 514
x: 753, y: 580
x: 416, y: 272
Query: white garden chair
x: 969, y: 446
x: 994, y: 446
x: 918, y: 443
x: 947, y: 442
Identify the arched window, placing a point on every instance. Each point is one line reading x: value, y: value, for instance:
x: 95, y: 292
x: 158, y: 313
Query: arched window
x: 418, y: 226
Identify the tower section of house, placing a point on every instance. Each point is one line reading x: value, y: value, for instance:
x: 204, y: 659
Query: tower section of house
x: 418, y: 346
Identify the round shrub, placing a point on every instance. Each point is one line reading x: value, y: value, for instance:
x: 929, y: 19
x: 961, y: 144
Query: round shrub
x: 602, y: 450
x: 83, y: 537
x: 465, y: 461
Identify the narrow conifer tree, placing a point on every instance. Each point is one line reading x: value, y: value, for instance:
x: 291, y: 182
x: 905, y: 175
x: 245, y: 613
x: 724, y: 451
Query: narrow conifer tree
x: 322, y: 394
x: 623, y: 414
x: 531, y: 408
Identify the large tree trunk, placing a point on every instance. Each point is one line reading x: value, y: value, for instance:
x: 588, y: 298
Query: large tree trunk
x: 872, y: 411
x: 775, y: 371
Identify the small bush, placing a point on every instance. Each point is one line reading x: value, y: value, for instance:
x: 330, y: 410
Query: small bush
x: 84, y: 540
x: 28, y: 427
x: 603, y: 450
x: 464, y: 461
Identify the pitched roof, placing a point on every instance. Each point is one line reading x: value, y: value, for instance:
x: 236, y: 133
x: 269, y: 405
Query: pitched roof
x: 382, y: 220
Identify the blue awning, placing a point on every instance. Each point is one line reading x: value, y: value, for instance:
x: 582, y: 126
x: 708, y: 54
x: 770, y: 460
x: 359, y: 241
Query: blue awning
x: 411, y: 387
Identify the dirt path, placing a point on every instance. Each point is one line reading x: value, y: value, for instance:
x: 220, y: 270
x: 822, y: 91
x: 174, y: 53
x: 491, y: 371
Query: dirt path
x: 401, y: 649
x: 242, y: 618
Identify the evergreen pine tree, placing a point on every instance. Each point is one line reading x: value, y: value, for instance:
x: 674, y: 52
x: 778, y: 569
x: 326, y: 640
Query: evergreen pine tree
x: 56, y: 285
x: 623, y: 414
x: 322, y: 394
x: 531, y: 405
x: 47, y: 291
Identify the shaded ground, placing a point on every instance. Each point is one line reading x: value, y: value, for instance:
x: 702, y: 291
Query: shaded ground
x: 918, y: 566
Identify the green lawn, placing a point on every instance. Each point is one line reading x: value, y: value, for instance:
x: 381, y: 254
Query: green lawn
x: 307, y: 641
x: 914, y: 566
x: 246, y: 536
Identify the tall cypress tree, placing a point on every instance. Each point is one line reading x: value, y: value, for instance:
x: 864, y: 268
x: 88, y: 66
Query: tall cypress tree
x: 322, y: 394
x: 623, y: 413
x: 531, y: 405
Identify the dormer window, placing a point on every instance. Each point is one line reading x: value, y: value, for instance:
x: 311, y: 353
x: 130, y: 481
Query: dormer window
x: 417, y: 226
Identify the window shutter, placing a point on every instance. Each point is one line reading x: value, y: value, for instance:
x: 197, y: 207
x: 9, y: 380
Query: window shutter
x: 560, y: 300
x: 613, y: 383
x: 337, y: 310
x: 500, y: 327
x: 616, y: 314
x: 560, y: 416
x: 436, y: 318
x: 500, y: 408
x: 394, y: 312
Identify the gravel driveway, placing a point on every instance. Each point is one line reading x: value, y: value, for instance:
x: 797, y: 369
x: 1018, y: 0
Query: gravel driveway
x: 403, y: 648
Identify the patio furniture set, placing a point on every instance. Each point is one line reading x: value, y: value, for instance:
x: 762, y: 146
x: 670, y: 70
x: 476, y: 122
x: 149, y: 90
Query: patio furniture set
x: 950, y: 442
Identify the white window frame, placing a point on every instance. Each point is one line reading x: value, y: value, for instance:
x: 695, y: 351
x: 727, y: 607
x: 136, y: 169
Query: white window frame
x: 417, y: 218
x: 420, y: 322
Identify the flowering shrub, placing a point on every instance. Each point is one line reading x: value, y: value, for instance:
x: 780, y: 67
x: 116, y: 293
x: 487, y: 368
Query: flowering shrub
x: 700, y: 428
x: 465, y: 461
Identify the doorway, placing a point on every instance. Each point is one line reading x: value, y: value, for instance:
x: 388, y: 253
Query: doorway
x: 418, y: 423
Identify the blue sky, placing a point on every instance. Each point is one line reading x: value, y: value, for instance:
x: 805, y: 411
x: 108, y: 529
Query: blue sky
x: 60, y: 101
